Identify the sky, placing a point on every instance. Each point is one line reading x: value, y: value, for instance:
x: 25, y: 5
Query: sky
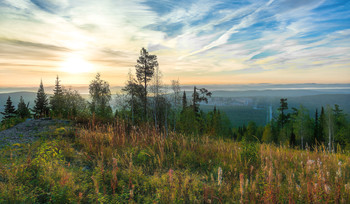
x: 196, y: 41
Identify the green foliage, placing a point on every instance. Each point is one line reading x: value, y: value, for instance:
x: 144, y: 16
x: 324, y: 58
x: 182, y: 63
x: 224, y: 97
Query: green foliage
x: 100, y: 96
x: 268, y: 134
x: 8, y: 123
x: 48, y: 152
x: 250, y: 154
x: 23, y: 109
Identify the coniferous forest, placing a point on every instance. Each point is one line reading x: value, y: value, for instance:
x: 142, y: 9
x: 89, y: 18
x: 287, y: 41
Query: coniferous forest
x: 159, y: 146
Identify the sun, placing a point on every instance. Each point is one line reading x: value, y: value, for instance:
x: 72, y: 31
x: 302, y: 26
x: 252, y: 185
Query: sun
x: 76, y: 64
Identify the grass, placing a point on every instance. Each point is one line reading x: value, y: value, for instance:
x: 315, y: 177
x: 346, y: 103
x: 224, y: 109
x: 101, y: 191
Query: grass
x: 122, y: 164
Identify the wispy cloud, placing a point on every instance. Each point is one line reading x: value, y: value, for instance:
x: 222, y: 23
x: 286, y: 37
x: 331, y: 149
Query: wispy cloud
x: 194, y: 40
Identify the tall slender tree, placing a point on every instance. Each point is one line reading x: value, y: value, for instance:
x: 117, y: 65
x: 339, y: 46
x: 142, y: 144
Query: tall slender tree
x: 41, y: 108
x: 321, y: 126
x: 157, y: 92
x: 10, y: 110
x: 184, y: 101
x: 144, y: 73
x: 134, y: 93
x: 175, y: 86
x: 316, y: 139
x: 330, y: 127
x: 283, y: 118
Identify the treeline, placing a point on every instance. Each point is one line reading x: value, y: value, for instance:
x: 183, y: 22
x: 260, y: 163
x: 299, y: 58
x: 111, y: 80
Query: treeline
x: 328, y: 128
x: 145, y: 99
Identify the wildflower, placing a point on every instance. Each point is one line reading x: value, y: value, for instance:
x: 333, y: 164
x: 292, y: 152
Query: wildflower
x: 319, y: 163
x: 219, y: 176
x: 339, y: 163
x: 339, y: 172
x: 241, y: 186
x: 347, y: 186
x: 241, y: 182
x: 310, y: 162
x: 327, y: 189
x: 171, y: 175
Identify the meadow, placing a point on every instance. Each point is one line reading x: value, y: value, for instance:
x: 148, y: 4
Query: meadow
x: 120, y: 163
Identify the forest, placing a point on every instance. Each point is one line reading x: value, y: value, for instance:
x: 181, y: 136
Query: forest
x: 160, y: 146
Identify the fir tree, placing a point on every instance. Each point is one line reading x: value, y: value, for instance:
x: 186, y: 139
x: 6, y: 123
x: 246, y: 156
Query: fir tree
x: 10, y: 111
x: 22, y: 109
x: 41, y: 102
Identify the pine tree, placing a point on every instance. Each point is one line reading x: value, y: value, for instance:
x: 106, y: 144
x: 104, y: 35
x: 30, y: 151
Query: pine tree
x: 41, y: 102
x: 22, y: 109
x: 10, y: 111
x: 144, y: 73
x: 199, y: 97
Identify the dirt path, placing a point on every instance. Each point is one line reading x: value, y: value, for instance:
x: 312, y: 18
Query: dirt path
x: 29, y: 131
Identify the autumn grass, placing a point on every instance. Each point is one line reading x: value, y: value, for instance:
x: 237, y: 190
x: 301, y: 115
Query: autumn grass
x: 124, y: 164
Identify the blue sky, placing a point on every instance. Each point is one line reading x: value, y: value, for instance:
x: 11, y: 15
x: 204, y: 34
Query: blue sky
x: 214, y: 42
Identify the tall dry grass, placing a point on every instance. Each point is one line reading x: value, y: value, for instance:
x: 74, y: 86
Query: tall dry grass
x: 120, y: 163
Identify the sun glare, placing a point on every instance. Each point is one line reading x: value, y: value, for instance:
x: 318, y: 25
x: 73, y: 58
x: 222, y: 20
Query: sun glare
x: 76, y: 64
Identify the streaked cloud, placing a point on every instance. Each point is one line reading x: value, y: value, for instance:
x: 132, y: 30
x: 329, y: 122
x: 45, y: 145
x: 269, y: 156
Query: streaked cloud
x: 198, y: 41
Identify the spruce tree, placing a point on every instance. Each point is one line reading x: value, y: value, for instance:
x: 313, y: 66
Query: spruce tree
x: 283, y: 118
x: 184, y: 101
x: 10, y: 111
x: 321, y: 126
x: 57, y: 100
x: 316, y: 129
x: 22, y: 109
x: 41, y: 102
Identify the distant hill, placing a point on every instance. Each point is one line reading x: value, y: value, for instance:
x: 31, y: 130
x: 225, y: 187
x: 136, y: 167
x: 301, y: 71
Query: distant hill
x: 279, y: 93
x: 15, y: 97
x: 256, y: 108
